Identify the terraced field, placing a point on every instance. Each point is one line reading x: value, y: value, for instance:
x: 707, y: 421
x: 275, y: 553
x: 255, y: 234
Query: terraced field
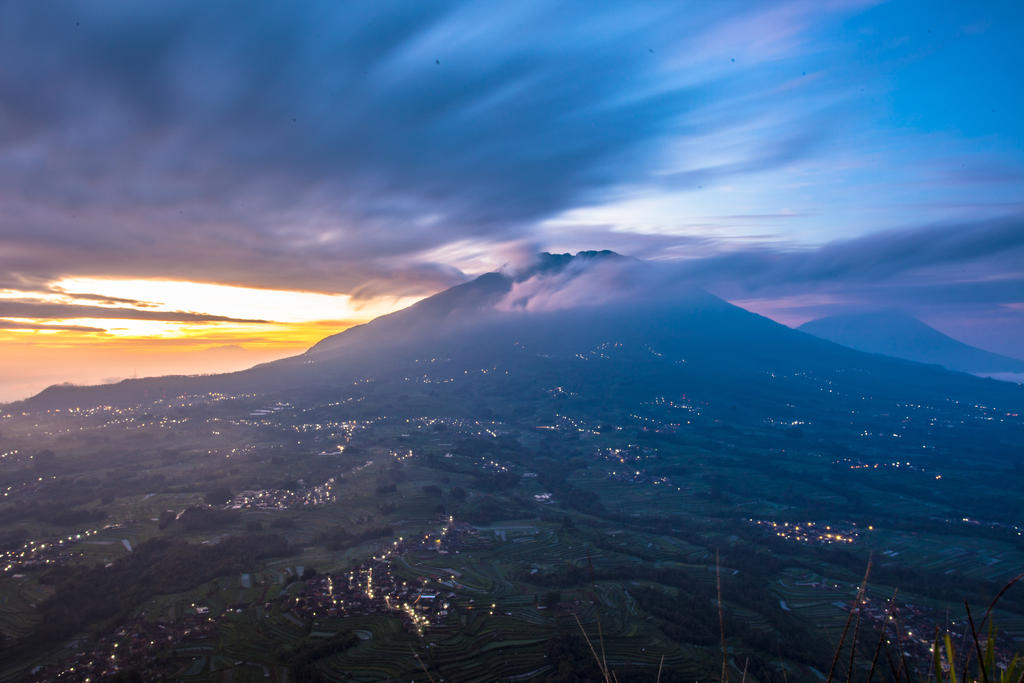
x: 19, y: 597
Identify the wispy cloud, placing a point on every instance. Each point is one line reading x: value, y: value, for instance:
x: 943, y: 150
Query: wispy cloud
x: 884, y: 255
x: 393, y: 149
x: 44, y: 310
x: 328, y: 146
x: 965, y: 269
x: 16, y: 325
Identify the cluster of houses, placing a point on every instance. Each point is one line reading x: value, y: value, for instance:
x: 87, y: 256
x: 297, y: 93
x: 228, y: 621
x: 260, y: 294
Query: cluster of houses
x: 626, y: 454
x: 33, y: 553
x: 373, y: 588
x: 282, y: 499
x: 911, y: 631
x: 135, y: 645
x: 631, y: 476
x: 812, y: 532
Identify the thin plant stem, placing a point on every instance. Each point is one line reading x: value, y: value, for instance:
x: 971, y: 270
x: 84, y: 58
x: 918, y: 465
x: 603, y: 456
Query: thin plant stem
x: 846, y: 627
x: 881, y: 636
x: 977, y: 644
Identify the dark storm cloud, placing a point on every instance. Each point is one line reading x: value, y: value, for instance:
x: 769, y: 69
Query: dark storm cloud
x: 955, y: 264
x: 966, y: 276
x: 972, y: 250
x: 328, y: 145
x: 898, y: 251
x: 42, y: 310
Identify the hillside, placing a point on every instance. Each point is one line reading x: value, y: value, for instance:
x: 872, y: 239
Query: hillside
x: 581, y: 440
x: 897, y: 334
x: 545, y: 323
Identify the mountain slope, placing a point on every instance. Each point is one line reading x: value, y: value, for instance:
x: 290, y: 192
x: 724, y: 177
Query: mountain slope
x: 897, y: 334
x: 609, y: 326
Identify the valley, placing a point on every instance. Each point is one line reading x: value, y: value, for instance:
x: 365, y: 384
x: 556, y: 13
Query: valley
x: 262, y: 532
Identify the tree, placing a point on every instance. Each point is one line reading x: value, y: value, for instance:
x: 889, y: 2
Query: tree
x: 167, y: 518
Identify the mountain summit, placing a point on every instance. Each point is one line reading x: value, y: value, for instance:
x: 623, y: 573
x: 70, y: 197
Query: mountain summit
x: 894, y: 333
x: 617, y: 329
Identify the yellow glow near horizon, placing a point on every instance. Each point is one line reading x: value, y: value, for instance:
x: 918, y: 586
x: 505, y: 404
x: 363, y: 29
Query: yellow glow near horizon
x: 286, y: 306
x: 292, y: 319
x: 146, y: 336
x: 41, y: 354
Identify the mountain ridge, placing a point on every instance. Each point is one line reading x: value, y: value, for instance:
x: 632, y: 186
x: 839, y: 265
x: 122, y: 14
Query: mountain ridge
x: 593, y: 318
x: 898, y: 334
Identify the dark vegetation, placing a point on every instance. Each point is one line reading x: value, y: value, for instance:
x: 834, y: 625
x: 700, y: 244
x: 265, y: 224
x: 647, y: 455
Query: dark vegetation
x: 94, y: 596
x: 339, y: 537
x: 302, y: 658
x: 602, y: 461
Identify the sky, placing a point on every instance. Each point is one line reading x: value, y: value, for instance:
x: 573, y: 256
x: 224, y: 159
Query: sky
x: 198, y: 186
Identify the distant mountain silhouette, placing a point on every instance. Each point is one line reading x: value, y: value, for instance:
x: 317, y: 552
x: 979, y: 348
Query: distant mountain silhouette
x: 898, y: 334
x: 617, y: 329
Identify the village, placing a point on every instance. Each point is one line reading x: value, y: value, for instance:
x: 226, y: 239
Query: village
x: 911, y: 631
x: 134, y: 645
x: 371, y: 588
x: 812, y: 532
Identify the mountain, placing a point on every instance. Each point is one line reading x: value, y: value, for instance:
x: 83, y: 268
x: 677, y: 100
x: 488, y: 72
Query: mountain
x: 586, y: 421
x: 616, y: 329
x: 897, y: 334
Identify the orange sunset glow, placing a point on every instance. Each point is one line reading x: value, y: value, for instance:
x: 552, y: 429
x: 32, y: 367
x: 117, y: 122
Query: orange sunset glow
x: 529, y: 341
x: 100, y: 330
